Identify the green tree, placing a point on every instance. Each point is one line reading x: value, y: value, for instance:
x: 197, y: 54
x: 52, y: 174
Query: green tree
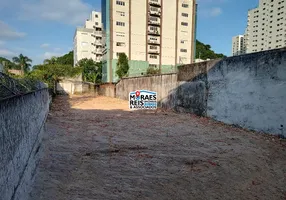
x: 152, y: 71
x: 203, y: 51
x: 51, y: 61
x: 66, y: 59
x: 91, y: 71
x: 24, y: 62
x: 7, y: 64
x: 51, y: 74
x: 122, y: 65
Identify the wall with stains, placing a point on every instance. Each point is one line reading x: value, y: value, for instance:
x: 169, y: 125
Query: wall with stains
x: 22, y: 120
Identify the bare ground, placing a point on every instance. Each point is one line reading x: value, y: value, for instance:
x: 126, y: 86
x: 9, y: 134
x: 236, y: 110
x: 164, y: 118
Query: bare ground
x: 94, y: 148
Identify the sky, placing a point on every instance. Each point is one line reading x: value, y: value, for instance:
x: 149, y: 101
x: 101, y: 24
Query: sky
x: 40, y: 29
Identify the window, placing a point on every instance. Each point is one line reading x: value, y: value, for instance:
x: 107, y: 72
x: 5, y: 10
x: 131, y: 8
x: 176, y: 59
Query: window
x: 185, y: 14
x: 154, y: 9
x: 184, y: 5
x: 121, y: 3
x: 96, y: 23
x: 184, y: 50
x: 183, y: 41
x: 153, y: 47
x: 120, y: 44
x: 154, y: 28
x: 120, y: 34
x: 120, y: 23
x: 153, y: 56
x: 122, y: 14
x: 84, y: 43
x: 96, y: 16
x: 184, y: 23
x: 154, y: 19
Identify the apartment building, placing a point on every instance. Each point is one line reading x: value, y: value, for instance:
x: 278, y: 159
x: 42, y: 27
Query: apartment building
x: 1, y: 68
x: 266, y: 26
x: 152, y: 33
x: 238, y: 45
x: 88, y: 39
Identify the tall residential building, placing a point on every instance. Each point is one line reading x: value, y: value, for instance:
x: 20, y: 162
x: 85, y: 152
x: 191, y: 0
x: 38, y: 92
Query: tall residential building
x: 238, y: 45
x: 152, y: 33
x: 1, y: 68
x: 88, y: 39
x: 266, y: 26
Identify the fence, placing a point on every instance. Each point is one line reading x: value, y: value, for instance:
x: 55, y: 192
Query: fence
x: 10, y: 87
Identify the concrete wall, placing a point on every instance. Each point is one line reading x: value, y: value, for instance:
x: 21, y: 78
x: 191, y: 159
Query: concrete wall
x: 22, y: 122
x: 162, y: 84
x: 247, y: 90
x: 108, y: 90
x: 75, y: 86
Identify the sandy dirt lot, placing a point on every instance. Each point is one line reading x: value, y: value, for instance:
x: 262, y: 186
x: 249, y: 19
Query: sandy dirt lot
x: 95, y: 148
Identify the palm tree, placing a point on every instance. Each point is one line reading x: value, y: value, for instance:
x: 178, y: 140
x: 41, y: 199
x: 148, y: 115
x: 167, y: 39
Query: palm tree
x: 51, y: 61
x: 24, y: 62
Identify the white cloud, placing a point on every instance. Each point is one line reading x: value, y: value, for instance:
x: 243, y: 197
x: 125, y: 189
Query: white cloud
x: 73, y: 12
x: 7, y: 53
x: 48, y: 55
x: 8, y: 33
x: 215, y: 11
x: 45, y: 45
x: 57, y: 49
x: 210, y: 12
x: 1, y: 42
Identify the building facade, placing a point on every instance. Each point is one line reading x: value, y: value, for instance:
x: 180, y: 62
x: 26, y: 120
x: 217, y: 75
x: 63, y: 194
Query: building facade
x: 266, y: 26
x: 88, y: 39
x: 1, y: 68
x: 238, y: 45
x: 152, y: 33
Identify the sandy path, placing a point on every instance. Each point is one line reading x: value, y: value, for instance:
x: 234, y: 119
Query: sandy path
x: 94, y: 148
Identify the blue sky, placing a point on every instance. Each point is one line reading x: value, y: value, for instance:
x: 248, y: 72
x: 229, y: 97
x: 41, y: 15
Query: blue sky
x: 43, y: 28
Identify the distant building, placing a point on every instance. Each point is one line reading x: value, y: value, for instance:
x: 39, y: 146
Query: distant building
x: 1, y: 68
x: 15, y: 72
x: 88, y: 39
x: 152, y: 33
x: 266, y: 26
x: 238, y: 45
x: 201, y: 60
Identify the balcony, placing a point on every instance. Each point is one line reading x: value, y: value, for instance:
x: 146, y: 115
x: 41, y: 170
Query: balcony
x: 98, y: 33
x: 98, y: 51
x: 98, y: 43
x: 156, y: 3
x: 156, y: 13
x: 155, y: 23
x: 153, y: 42
x: 154, y: 32
x: 154, y: 51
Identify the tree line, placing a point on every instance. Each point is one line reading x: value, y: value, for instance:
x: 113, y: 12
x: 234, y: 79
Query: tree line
x: 51, y: 70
